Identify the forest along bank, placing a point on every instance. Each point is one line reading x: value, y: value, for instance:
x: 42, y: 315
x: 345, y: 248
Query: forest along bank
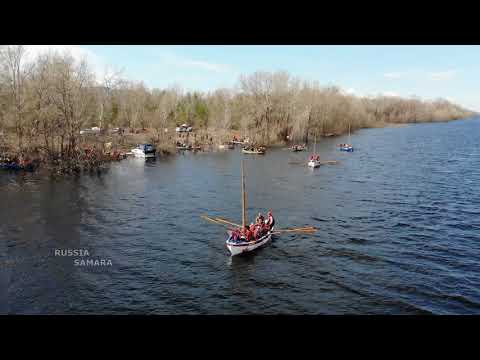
x: 47, y: 102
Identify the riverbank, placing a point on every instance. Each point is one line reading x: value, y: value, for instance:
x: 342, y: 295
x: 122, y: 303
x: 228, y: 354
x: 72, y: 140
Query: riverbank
x: 94, y: 151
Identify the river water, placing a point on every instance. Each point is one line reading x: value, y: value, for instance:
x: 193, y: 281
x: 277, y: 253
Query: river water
x: 398, y: 220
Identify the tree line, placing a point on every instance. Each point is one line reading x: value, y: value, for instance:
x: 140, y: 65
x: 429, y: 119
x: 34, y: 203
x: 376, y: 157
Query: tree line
x: 46, y: 101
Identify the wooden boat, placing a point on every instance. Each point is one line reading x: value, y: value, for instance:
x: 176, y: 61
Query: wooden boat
x: 314, y: 160
x: 184, y: 147
x: 242, y: 246
x: 314, y: 163
x: 254, y: 150
x: 295, y: 148
x: 236, y: 243
x: 225, y: 146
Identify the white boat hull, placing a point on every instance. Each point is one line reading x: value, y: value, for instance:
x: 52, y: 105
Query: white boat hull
x: 139, y: 153
x: 241, y: 248
x: 313, y: 163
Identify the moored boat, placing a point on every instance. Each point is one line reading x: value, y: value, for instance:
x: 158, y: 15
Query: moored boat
x: 295, y: 148
x: 257, y: 150
x: 144, y: 151
x: 181, y: 146
x: 225, y: 146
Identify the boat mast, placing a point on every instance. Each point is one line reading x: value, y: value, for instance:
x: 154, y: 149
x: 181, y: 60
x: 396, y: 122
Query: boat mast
x: 243, y: 200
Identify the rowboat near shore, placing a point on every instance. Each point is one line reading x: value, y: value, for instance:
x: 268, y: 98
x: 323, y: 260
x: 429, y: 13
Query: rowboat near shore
x: 226, y: 146
x: 256, y: 150
x: 144, y: 151
x: 296, y: 148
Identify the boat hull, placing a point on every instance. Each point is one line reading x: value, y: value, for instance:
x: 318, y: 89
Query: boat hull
x: 313, y: 164
x: 347, y: 149
x: 242, y: 248
x: 253, y: 152
x: 141, y: 154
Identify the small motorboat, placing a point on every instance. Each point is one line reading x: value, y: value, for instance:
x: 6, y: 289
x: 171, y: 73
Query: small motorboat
x: 345, y: 147
x: 295, y: 148
x: 144, y: 151
x: 242, y: 246
x: 17, y: 167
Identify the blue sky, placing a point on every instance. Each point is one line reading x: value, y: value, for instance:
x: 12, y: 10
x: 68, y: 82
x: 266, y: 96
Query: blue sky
x: 451, y: 72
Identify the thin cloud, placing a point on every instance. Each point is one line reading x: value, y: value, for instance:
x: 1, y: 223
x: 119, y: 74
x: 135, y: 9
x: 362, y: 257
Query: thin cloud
x: 442, y: 75
x: 179, y: 61
x: 393, y: 75
x: 349, y: 91
x: 390, y: 94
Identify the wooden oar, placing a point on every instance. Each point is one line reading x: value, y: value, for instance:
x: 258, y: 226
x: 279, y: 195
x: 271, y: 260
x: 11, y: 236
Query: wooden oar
x: 328, y: 162
x: 303, y: 230
x: 212, y: 220
x: 227, y: 222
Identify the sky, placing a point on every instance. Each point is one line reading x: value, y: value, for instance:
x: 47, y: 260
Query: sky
x: 426, y: 71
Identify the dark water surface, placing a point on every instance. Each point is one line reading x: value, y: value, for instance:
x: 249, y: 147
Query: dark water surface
x: 398, y: 219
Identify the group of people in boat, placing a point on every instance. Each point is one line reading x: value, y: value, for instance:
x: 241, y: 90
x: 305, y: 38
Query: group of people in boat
x: 256, y: 230
x: 257, y: 148
x: 183, y: 145
x: 314, y: 157
x: 299, y: 147
x: 344, y: 145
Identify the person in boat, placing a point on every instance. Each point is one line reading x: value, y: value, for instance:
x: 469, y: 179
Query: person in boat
x: 249, y: 235
x: 260, y: 219
x: 235, y: 235
x: 270, y: 220
x: 256, y: 232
